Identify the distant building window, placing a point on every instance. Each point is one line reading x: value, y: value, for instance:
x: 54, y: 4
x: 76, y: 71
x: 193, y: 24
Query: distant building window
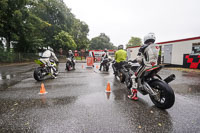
x: 196, y: 48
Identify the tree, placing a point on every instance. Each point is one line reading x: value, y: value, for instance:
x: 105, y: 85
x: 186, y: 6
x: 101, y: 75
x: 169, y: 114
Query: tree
x: 134, y: 41
x: 56, y: 13
x: 19, y: 25
x: 80, y: 33
x: 101, y: 42
x: 7, y: 24
x: 64, y: 40
x: 33, y: 24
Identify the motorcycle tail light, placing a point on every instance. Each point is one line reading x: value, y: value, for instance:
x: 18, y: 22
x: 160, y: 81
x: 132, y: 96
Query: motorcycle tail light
x: 42, y: 65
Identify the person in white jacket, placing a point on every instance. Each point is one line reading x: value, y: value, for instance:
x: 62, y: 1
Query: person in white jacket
x: 46, y: 56
x: 147, y: 57
x: 104, y: 56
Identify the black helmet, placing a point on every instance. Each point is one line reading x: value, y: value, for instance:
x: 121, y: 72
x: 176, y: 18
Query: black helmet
x: 120, y: 47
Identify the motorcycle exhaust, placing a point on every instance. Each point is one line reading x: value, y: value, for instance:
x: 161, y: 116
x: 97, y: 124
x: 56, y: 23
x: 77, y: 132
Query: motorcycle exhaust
x: 170, y: 78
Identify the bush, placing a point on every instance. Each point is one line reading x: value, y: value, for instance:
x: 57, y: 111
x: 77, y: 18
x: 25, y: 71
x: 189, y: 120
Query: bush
x: 11, y: 57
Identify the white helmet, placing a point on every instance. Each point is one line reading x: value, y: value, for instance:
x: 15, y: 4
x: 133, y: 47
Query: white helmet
x: 70, y: 51
x: 50, y: 49
x: 149, y: 38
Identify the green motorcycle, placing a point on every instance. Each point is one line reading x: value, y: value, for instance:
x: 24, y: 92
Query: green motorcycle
x: 44, y: 70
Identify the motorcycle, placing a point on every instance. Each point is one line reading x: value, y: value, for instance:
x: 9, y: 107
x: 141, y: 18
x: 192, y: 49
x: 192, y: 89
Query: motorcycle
x: 120, y: 73
x: 44, y: 70
x: 159, y: 90
x: 69, y: 64
x: 106, y: 64
x: 130, y: 68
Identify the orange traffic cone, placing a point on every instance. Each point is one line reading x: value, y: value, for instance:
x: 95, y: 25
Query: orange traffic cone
x: 42, y: 89
x: 108, y: 87
x: 97, y: 66
x: 82, y: 66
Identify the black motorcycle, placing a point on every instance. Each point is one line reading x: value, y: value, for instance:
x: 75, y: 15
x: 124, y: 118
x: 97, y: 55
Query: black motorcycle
x: 44, y: 70
x: 106, y: 64
x: 129, y: 69
x: 159, y: 90
x: 70, y: 64
x: 121, y: 71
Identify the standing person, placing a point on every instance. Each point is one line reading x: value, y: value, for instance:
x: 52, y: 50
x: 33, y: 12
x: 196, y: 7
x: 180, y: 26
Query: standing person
x: 147, y: 57
x: 46, y: 56
x: 71, y: 56
x: 91, y: 54
x: 120, y: 56
x: 104, y: 56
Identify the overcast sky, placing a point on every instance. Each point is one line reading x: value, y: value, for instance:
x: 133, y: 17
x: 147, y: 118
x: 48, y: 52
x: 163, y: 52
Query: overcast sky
x: 121, y: 19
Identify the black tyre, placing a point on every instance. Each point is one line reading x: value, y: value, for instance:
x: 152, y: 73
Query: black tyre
x: 165, y: 98
x: 107, y: 68
x: 122, y: 77
x: 129, y: 83
x: 68, y: 66
x: 56, y: 72
x: 38, y: 74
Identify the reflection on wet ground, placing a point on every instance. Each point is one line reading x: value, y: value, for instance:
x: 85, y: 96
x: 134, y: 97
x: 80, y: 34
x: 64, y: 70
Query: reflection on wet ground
x: 11, y: 75
x: 8, y: 76
x: 185, y: 82
x: 77, y: 102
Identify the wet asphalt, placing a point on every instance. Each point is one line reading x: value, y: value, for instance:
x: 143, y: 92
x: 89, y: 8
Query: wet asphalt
x: 76, y: 102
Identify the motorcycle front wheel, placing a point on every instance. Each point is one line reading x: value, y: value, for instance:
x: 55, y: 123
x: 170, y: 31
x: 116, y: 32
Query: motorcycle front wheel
x: 68, y: 67
x: 129, y: 83
x: 37, y: 74
x: 165, y: 97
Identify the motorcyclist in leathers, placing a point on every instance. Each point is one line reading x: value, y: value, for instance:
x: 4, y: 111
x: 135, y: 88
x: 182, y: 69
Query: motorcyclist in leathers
x: 47, y: 55
x: 120, y: 57
x: 104, y: 56
x: 71, y: 55
x: 147, y: 57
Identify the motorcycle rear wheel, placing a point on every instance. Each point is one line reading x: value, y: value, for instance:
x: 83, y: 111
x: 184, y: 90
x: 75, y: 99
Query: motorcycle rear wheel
x: 107, y: 68
x: 122, y: 77
x: 56, y: 72
x: 165, y: 94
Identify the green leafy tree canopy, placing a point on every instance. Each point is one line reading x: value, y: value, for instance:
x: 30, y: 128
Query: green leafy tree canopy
x: 64, y: 40
x: 101, y: 42
x: 134, y: 41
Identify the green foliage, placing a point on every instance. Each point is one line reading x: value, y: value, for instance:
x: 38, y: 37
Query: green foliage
x: 33, y: 24
x: 56, y: 13
x: 134, y: 41
x: 101, y: 42
x: 64, y: 40
x: 80, y: 32
x: 8, y: 57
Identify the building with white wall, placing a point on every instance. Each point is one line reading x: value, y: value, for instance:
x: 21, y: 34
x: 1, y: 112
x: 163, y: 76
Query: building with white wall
x: 173, y: 52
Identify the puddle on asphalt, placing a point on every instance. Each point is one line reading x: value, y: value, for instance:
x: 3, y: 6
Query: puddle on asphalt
x: 6, y: 76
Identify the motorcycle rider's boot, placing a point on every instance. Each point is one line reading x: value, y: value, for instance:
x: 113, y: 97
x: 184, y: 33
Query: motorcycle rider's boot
x: 52, y: 74
x: 133, y: 95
